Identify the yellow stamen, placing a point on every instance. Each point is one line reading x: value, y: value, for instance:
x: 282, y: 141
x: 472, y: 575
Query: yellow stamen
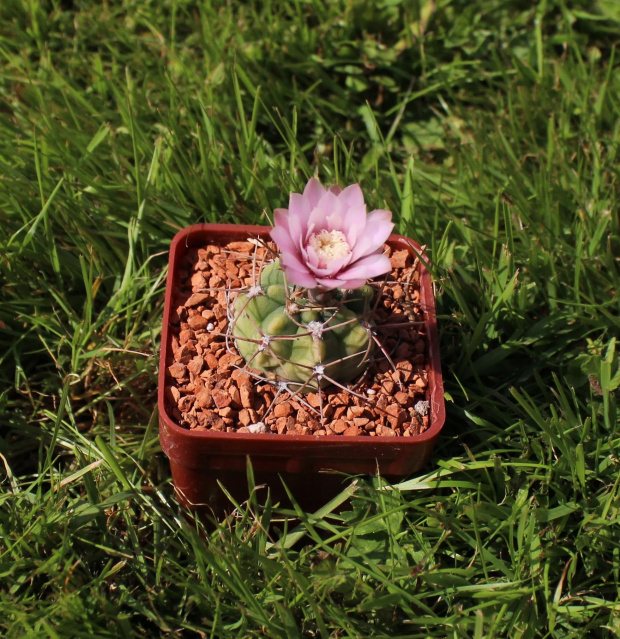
x: 329, y: 245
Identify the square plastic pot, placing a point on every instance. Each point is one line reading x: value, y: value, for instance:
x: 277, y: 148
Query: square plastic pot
x: 311, y: 466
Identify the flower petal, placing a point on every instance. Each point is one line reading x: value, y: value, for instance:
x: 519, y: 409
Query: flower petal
x: 299, y: 278
x: 282, y: 237
x: 380, y: 214
x: 316, y: 223
x: 298, y: 213
x: 290, y: 255
x: 333, y: 268
x: 313, y: 192
x: 353, y: 223
x: 330, y: 283
x: 353, y: 195
x: 368, y: 267
x: 330, y: 203
x: 281, y: 220
x: 313, y: 258
x: 376, y: 232
x: 334, y: 222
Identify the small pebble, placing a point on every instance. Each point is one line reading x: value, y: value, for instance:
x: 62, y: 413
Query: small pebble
x: 259, y: 427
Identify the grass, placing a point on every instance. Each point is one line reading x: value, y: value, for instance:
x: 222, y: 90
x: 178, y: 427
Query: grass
x: 491, y: 130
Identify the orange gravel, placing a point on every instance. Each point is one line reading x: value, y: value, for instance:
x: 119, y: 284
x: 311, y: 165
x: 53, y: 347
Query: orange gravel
x: 208, y: 387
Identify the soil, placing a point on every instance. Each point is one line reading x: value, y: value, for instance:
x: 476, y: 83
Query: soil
x: 209, y: 388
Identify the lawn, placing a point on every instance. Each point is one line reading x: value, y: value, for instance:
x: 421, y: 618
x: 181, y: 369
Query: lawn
x: 491, y: 129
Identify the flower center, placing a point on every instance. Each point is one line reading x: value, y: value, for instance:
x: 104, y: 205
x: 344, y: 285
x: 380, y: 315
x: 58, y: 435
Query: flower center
x: 329, y: 245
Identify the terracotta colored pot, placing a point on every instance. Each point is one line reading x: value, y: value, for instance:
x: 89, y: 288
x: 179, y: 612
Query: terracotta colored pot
x: 201, y: 459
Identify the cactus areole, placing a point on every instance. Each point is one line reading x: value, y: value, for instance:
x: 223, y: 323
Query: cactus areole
x: 306, y: 321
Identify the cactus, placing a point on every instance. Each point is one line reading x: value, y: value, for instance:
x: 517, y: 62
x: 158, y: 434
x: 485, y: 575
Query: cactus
x: 306, y: 342
x: 319, y: 333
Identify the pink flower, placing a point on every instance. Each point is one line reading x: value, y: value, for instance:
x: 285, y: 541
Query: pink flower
x: 327, y: 240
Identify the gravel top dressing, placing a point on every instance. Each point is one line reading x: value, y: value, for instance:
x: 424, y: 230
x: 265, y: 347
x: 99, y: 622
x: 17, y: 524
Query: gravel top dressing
x: 209, y: 387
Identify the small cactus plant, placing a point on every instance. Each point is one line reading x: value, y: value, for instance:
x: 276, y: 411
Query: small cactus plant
x: 306, y: 320
x: 298, y: 339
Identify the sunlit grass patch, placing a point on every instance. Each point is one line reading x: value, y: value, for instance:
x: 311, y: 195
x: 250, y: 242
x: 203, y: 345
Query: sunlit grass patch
x: 491, y: 129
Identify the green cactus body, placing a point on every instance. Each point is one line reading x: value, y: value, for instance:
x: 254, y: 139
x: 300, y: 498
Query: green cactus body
x: 290, y: 344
